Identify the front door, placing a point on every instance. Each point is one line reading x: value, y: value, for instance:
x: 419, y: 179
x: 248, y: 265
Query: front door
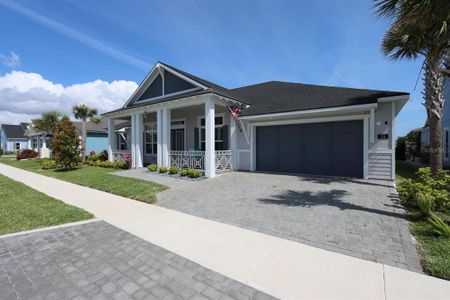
x: 177, y: 139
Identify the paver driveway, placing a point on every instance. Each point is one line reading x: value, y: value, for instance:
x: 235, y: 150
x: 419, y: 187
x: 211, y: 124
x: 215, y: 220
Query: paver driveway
x: 359, y: 218
x: 99, y: 261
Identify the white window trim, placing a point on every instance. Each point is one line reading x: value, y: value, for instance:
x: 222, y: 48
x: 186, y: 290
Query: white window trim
x: 199, y: 118
x: 121, y: 134
x: 446, y: 154
x: 179, y: 127
x: 154, y: 130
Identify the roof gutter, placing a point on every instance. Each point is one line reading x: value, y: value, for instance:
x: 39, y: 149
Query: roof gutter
x: 361, y: 107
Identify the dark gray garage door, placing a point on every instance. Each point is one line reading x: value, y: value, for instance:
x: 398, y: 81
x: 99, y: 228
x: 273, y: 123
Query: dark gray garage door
x: 333, y: 148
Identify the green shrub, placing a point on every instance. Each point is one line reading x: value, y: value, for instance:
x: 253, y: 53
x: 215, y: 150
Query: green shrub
x: 173, y: 170
x: 152, y: 168
x: 102, y: 156
x: 48, y: 164
x: 184, y: 173
x: 193, y: 173
x: 439, y: 226
x: 66, y: 143
x: 120, y: 165
x: 424, y: 203
x: 162, y: 169
x: 435, y: 187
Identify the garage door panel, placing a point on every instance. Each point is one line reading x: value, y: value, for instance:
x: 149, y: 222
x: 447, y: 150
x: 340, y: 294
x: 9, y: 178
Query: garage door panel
x: 347, y: 151
x: 289, y: 147
x: 316, y: 143
x: 267, y: 149
x: 333, y: 148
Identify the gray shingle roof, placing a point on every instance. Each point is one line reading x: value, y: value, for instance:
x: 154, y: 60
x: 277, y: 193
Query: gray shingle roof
x: 277, y: 96
x: 14, y: 131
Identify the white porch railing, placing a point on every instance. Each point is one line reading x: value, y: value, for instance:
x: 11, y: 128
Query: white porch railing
x: 223, y: 160
x: 187, y: 159
x: 119, y: 155
x: 196, y: 159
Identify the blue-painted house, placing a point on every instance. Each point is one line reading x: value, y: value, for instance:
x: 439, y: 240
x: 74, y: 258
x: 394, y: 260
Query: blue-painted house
x: 445, y: 123
x: 12, y: 137
x: 96, y: 140
x: 97, y: 136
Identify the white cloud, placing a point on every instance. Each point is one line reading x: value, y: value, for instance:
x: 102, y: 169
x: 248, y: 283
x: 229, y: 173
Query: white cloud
x: 24, y: 96
x: 12, y: 61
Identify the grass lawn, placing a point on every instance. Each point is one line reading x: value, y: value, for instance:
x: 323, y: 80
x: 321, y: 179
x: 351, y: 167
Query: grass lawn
x: 434, y: 250
x: 22, y: 208
x: 97, y: 178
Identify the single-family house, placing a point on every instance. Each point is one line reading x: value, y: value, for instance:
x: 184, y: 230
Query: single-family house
x: 96, y: 139
x: 178, y: 119
x: 12, y: 137
x: 445, y: 125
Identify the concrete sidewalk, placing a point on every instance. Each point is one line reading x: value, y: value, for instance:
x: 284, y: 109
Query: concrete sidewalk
x: 279, y: 267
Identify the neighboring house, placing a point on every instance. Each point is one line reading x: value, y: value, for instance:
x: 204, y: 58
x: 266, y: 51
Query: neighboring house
x: 445, y: 124
x: 96, y: 140
x: 179, y: 119
x: 13, y: 137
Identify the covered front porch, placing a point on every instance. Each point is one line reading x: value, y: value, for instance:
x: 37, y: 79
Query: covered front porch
x: 197, y: 132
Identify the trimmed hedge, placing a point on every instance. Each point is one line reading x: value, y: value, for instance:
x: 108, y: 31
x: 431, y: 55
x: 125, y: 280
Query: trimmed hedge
x: 27, y: 153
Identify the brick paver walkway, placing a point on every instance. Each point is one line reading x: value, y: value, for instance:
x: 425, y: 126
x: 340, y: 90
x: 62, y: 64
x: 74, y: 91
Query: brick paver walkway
x: 99, y: 261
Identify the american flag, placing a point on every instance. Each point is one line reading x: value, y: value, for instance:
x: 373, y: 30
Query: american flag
x: 235, y: 111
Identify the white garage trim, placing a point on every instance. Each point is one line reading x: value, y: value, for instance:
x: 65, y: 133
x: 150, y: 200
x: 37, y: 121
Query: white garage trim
x: 342, y: 109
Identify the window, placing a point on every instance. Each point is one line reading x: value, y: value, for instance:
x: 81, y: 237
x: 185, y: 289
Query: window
x: 34, y: 143
x: 446, y: 142
x: 17, y: 146
x: 121, y: 140
x: 150, y: 138
x: 219, y: 122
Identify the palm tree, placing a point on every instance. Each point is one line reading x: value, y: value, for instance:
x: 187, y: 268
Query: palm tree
x: 85, y: 113
x: 419, y: 28
x: 47, y: 123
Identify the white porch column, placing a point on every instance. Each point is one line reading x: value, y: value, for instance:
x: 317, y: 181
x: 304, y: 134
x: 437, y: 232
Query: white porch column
x: 44, y: 152
x: 166, y: 120
x: 159, y: 134
x: 111, y: 139
x: 133, y: 141
x: 139, y: 139
x: 210, y: 157
x: 233, y: 143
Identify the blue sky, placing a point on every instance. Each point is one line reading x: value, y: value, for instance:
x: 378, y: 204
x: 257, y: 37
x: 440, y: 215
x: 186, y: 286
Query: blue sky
x: 69, y: 47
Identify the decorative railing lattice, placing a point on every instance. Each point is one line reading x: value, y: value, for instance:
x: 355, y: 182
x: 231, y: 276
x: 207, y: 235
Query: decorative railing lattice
x: 187, y: 159
x: 223, y: 160
x: 120, y: 155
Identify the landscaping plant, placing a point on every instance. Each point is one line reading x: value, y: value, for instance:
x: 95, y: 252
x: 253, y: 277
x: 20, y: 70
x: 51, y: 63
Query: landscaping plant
x: 162, y: 169
x: 26, y: 154
x: 65, y: 145
x: 48, y: 164
x: 184, y: 172
x: 85, y: 113
x: 193, y: 173
x: 173, y: 170
x: 152, y: 168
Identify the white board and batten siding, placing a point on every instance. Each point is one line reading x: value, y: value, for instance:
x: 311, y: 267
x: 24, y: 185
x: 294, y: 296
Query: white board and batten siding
x: 381, y: 150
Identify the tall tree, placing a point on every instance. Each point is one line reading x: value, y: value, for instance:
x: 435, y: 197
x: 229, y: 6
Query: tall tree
x: 419, y: 28
x: 48, y: 122
x: 66, y: 144
x: 85, y: 114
